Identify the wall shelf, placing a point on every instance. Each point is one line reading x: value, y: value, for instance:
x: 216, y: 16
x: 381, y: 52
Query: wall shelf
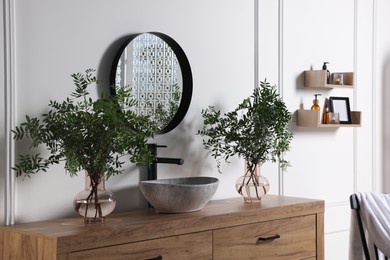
x: 318, y: 78
x: 312, y: 118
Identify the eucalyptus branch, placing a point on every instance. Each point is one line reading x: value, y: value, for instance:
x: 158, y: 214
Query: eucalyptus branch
x: 256, y: 130
x: 86, y: 134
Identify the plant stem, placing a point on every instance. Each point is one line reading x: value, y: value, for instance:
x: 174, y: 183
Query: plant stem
x: 93, y: 196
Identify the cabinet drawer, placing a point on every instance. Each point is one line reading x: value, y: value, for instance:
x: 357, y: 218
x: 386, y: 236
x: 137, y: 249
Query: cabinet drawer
x: 191, y: 246
x: 297, y: 240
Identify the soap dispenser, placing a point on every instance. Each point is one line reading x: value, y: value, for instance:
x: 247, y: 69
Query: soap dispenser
x: 315, y: 105
x: 324, y: 67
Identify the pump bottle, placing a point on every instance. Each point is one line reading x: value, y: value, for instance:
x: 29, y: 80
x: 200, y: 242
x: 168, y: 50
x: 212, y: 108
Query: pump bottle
x: 315, y: 105
x: 324, y: 67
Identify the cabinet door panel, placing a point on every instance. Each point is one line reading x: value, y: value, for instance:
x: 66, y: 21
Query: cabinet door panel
x: 293, y: 238
x: 191, y: 246
x: 19, y: 245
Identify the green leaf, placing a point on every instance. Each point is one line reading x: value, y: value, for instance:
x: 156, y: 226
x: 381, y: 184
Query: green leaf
x: 85, y: 133
x: 256, y: 130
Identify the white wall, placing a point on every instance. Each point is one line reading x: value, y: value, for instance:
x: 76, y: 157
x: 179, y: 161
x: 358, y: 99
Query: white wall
x: 2, y: 124
x: 381, y: 74
x: 327, y: 163
x: 55, y: 39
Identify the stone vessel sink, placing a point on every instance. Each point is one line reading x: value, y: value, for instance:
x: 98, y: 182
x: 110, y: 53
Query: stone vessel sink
x: 179, y: 195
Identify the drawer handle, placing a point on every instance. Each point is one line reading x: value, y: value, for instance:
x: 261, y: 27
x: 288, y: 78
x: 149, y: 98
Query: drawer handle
x: 267, y: 239
x: 155, y: 258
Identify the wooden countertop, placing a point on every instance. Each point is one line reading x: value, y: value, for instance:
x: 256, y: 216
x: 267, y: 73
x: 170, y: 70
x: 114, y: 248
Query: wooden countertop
x: 71, y: 234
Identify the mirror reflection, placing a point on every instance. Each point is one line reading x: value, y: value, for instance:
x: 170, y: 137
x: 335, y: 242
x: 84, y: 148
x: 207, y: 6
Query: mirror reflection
x: 148, y: 63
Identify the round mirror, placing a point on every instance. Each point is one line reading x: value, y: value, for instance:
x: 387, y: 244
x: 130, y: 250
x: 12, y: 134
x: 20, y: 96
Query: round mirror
x: 157, y: 70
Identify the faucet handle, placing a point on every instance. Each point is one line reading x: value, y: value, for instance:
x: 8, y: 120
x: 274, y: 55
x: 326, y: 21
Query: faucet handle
x: 153, y: 148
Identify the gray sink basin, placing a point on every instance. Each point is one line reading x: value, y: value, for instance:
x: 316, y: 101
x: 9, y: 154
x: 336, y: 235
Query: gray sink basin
x: 179, y: 195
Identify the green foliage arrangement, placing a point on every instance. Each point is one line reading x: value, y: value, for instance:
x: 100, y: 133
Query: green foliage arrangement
x: 256, y: 130
x: 93, y: 135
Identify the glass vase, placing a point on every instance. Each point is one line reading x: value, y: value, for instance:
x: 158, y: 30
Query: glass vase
x: 94, y: 208
x: 252, y: 186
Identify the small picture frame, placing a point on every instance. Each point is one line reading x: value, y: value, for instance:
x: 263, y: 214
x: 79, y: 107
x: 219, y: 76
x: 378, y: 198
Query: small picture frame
x: 341, y: 105
x: 338, y: 78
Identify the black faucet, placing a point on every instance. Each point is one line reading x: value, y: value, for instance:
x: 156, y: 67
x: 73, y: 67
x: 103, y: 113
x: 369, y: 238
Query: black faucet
x: 152, y: 169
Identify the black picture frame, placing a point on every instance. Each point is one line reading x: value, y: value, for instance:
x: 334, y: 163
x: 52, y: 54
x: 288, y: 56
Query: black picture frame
x: 341, y: 105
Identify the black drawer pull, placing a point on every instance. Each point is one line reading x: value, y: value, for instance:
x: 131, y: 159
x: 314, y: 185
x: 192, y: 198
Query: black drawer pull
x: 155, y: 258
x: 267, y: 239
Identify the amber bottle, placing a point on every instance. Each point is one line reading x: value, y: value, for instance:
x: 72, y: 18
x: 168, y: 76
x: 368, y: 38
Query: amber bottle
x: 315, y: 105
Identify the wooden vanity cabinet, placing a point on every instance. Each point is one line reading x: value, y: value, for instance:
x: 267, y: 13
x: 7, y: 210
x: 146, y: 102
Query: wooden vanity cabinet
x: 278, y: 228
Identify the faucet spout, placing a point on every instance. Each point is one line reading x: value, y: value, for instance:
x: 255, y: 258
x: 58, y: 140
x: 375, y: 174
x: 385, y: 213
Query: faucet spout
x: 152, y: 169
x: 177, y: 161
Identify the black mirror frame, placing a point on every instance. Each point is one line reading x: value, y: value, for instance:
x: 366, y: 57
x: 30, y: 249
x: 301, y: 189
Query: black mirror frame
x: 185, y: 72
